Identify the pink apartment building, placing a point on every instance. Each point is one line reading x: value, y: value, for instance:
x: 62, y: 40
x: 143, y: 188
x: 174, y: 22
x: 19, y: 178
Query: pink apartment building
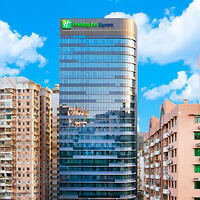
x: 172, y: 153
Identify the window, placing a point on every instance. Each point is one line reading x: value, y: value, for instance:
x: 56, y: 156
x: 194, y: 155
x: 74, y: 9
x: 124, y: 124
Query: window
x: 175, y: 184
x: 197, y: 119
x: 172, y: 168
x: 197, y: 135
x: 197, y: 185
x: 197, y: 198
x: 197, y: 168
x: 175, y: 152
x: 197, y: 152
x: 175, y: 136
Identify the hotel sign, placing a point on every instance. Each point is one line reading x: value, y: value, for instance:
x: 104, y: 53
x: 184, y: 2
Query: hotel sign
x: 68, y: 24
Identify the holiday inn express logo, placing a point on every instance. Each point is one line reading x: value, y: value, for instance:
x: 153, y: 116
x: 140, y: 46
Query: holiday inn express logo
x: 68, y: 24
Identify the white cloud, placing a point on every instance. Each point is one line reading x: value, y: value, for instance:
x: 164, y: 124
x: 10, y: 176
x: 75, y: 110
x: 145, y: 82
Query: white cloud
x: 46, y: 81
x: 169, y: 39
x: 176, y: 84
x: 17, y: 51
x: 143, y: 89
x: 190, y: 92
x: 170, y: 11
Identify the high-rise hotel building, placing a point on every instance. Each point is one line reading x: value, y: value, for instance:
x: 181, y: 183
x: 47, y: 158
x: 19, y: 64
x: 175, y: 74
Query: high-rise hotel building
x: 98, y: 113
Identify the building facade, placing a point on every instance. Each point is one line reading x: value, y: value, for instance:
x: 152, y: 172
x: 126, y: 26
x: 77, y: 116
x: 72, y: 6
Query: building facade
x: 140, y: 164
x: 172, y: 151
x: 54, y: 168
x: 45, y: 142
x: 20, y: 136
x: 98, y: 68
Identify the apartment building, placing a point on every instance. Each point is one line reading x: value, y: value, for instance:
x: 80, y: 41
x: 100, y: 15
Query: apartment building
x: 54, y: 164
x: 24, y: 110
x: 45, y: 141
x: 140, y: 164
x: 172, y: 153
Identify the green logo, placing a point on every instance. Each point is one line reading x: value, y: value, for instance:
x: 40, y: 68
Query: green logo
x: 66, y: 24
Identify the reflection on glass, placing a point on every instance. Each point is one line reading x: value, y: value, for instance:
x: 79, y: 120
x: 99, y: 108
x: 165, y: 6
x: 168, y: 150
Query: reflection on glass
x: 97, y: 118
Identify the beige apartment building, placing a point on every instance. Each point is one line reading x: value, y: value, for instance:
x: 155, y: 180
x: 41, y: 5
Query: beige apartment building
x: 172, y: 153
x: 25, y: 128
x: 54, y: 164
x: 45, y: 142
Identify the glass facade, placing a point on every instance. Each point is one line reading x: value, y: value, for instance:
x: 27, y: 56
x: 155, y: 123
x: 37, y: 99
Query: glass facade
x: 98, y: 115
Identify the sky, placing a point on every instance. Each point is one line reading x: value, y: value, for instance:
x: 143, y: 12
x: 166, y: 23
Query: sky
x: 168, y: 44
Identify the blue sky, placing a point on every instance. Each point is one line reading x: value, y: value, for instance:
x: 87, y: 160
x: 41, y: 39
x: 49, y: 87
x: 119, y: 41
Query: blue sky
x: 168, y: 44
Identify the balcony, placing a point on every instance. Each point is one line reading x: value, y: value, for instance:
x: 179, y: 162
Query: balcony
x: 157, y: 152
x: 170, y: 146
x: 152, y: 165
x: 147, y: 186
x: 165, y: 149
x: 165, y: 177
x: 146, y: 166
x: 157, y: 176
x: 152, y: 144
x: 157, y: 188
x: 157, y: 164
x: 151, y: 155
x: 5, y: 138
x: 152, y: 187
x: 147, y: 156
x: 152, y: 176
x: 166, y: 191
x: 146, y: 150
x: 165, y: 135
x: 157, y: 140
x: 146, y: 195
x: 146, y: 176
x: 166, y: 163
